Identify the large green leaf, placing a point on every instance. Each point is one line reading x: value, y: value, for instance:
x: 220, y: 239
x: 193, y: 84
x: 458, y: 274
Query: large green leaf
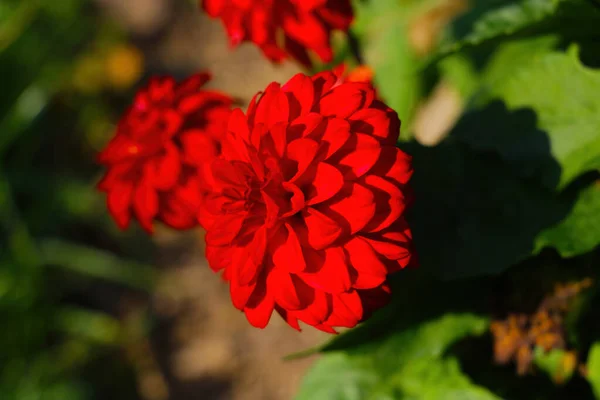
x: 563, y: 94
x: 489, y: 20
x: 539, y: 110
x: 492, y: 21
x: 408, y: 364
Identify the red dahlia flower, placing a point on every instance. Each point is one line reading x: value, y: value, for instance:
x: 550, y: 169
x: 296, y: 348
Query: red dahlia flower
x: 304, y: 24
x: 157, y: 158
x: 307, y: 203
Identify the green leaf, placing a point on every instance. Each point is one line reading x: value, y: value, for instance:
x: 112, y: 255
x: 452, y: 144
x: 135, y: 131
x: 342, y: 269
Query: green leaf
x: 579, y: 232
x: 545, y: 131
x: 563, y: 94
x: 339, y: 376
x: 408, y: 364
x: 472, y: 73
x: 593, y: 366
x: 97, y: 263
x: 513, y: 55
x: 492, y: 21
x: 92, y: 326
x: 553, y: 363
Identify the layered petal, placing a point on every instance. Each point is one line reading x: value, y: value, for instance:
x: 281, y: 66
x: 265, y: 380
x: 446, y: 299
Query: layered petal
x: 170, y: 132
x: 305, y: 25
x: 309, y: 195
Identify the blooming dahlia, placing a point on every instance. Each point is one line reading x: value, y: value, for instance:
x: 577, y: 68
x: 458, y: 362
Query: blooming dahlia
x: 307, y: 203
x: 302, y: 24
x: 157, y: 159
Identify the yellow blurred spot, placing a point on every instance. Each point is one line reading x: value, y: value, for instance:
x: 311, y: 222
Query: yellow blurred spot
x: 124, y: 66
x: 133, y: 149
x: 568, y: 365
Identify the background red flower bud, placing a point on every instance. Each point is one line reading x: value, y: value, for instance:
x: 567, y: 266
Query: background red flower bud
x: 305, y: 25
x: 156, y: 161
x: 307, y: 203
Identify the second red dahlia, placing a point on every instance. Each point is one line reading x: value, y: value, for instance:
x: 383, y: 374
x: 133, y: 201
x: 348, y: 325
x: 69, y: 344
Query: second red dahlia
x: 304, y: 25
x: 156, y: 160
x: 306, y: 211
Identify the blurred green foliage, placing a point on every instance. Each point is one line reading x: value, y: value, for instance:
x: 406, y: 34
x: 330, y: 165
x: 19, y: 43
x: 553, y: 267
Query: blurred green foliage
x: 56, y: 241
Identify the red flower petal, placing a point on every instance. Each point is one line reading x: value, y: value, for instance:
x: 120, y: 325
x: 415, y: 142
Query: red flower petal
x: 278, y: 135
x: 393, y: 250
x: 281, y: 285
x: 332, y: 276
x: 119, y: 201
x: 288, y: 255
x: 192, y: 84
x: 362, y: 158
x: 253, y: 256
x: 167, y: 168
x: 318, y: 310
x: 401, y: 170
x: 272, y: 107
x: 326, y: 182
x: 304, y: 126
x: 322, y: 230
x: 297, y: 201
x: 259, y: 309
x: 238, y: 124
x: 218, y: 257
x: 240, y: 294
x: 260, y: 315
x: 335, y: 136
x: 356, y: 204
x: 301, y: 95
x: 198, y: 147
x: 288, y: 317
x: 337, y: 13
x: 308, y: 5
x: 392, y: 243
x: 214, y: 8
x: 323, y: 82
x: 370, y: 271
x: 161, y: 88
x: 145, y: 205
x: 303, y: 152
x: 178, y: 208
x: 307, y: 30
x: 390, y: 203
x: 385, y: 126
x: 347, y: 310
x: 344, y: 100
x: 225, y: 231
x: 194, y: 102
